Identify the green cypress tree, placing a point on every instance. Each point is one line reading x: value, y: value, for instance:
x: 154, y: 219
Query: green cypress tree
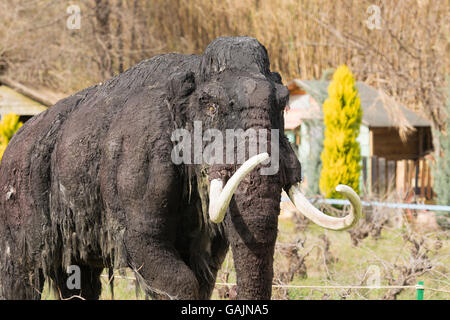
x: 342, y: 117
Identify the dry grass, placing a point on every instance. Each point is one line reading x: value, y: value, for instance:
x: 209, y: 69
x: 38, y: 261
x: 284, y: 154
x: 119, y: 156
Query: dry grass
x: 332, y: 259
x: 319, y: 257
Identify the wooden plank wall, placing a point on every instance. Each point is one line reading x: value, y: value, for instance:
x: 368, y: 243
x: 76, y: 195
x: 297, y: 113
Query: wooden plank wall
x: 388, y: 144
x: 381, y: 176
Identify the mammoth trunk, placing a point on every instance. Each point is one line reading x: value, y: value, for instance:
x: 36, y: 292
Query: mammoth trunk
x: 252, y: 225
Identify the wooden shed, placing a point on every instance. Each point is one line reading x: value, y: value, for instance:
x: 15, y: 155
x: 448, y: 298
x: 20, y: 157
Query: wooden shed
x: 395, y: 141
x: 24, y: 101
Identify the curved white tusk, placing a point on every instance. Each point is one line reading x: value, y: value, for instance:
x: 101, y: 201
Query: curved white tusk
x: 323, y: 220
x: 220, y: 199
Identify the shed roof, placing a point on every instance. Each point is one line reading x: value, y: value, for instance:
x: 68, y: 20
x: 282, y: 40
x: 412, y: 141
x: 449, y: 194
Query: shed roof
x: 12, y: 101
x: 379, y: 110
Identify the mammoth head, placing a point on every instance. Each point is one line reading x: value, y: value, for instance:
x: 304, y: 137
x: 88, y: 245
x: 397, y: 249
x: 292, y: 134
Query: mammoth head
x: 228, y: 103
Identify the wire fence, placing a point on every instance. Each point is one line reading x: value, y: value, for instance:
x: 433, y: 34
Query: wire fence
x: 420, y: 287
x: 392, y: 205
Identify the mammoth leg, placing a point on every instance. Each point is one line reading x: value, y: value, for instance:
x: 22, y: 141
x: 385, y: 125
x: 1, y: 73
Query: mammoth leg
x: 90, y: 286
x: 17, y: 284
x: 159, y: 268
x: 20, y: 278
x: 219, y: 249
x: 150, y: 248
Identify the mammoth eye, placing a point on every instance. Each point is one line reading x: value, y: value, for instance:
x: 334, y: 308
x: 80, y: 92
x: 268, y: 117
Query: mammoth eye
x: 212, y: 108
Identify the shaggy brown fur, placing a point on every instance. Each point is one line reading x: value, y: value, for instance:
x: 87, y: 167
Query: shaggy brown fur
x: 90, y: 181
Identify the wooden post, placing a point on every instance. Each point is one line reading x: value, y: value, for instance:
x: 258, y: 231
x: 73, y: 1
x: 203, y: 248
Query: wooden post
x: 374, y: 174
x: 364, y: 164
x: 411, y: 175
x: 429, y: 189
x: 381, y: 163
x: 386, y: 176
x: 392, y: 174
x: 417, y: 172
x: 406, y: 175
x: 406, y: 185
x: 422, y: 178
x: 400, y: 176
x: 395, y: 175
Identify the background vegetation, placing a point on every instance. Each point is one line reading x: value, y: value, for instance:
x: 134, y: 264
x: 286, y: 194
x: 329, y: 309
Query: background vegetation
x: 9, y: 124
x: 407, y: 56
x: 342, y: 115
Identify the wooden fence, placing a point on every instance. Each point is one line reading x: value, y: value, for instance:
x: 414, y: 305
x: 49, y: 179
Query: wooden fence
x: 408, y: 177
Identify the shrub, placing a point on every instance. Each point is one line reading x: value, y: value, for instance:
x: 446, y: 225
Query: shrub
x: 8, y: 126
x: 342, y: 117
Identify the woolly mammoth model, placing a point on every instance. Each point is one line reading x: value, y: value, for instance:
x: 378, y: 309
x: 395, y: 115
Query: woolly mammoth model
x: 96, y: 180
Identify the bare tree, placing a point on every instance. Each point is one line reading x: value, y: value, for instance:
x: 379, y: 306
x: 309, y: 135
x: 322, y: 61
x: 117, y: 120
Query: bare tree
x: 406, y: 57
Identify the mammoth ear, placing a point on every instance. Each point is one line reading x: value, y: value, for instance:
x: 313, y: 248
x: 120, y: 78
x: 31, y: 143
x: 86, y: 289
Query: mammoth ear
x: 181, y: 84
